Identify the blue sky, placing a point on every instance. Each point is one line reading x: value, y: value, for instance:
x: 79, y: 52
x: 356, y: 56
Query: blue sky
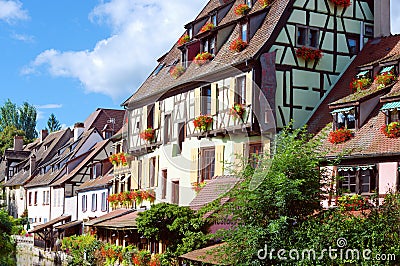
x: 69, y: 57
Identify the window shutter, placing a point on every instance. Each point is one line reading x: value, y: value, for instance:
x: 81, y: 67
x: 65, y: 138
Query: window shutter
x: 197, y: 102
x: 214, y: 99
x: 267, y: 147
x: 156, y: 171
x: 249, y: 88
x: 157, y: 115
x: 134, y: 175
x: 238, y: 153
x: 145, y: 173
x: 219, y: 160
x: 144, y: 118
x: 194, y: 169
x: 231, y: 92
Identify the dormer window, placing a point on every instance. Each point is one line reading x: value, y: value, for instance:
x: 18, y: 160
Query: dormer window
x: 249, y: 3
x: 387, y: 69
x: 214, y: 19
x: 392, y: 112
x: 344, y: 118
x: 208, y: 45
x: 190, y: 32
x: 363, y: 74
x: 244, y: 33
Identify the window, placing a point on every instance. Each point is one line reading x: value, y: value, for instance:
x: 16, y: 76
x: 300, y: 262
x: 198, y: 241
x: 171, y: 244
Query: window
x: 184, y: 57
x: 307, y: 36
x: 214, y: 19
x: 255, y: 150
x: 359, y: 180
x: 206, y: 100
x: 150, y: 116
x: 152, y: 172
x: 249, y: 3
x: 108, y: 134
x: 103, y: 201
x: 139, y: 174
x: 207, y: 164
x: 94, y: 202
x: 30, y: 198
x: 96, y: 170
x: 181, y: 135
x: 35, y: 198
x: 190, y: 32
x: 208, y: 45
x: 346, y: 119
x: 394, y: 116
x: 369, y: 30
x: 175, y: 192
x: 46, y: 197
x: 167, y: 129
x: 244, y: 32
x: 158, y: 69
x: 353, y: 43
x: 164, y: 184
x: 84, y: 203
x: 240, y: 93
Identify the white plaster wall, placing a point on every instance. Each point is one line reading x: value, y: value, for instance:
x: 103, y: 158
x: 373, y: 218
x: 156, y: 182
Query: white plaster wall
x: 387, y: 177
x: 89, y: 213
x: 57, y: 206
x: 39, y: 212
x: 70, y: 207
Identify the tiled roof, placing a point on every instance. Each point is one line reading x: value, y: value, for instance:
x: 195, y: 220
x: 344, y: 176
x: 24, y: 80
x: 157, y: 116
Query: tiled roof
x: 207, y: 255
x: 50, y: 223
x: 99, y: 118
x: 156, y: 85
x: 45, y: 179
x: 100, y: 182
x: 213, y: 189
x: 362, y: 95
x: 125, y: 221
x: 110, y: 215
x: 374, y: 51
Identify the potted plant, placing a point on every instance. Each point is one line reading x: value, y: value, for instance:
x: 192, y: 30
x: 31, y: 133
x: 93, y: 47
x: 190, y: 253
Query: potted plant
x: 308, y: 54
x: 202, y: 122
x: 264, y: 3
x: 113, y: 199
x: 385, y: 79
x: 238, y: 110
x: 177, y: 71
x: 238, y: 45
x: 360, y: 84
x: 340, y: 135
x: 391, y: 130
x: 151, y: 195
x: 148, y: 134
x: 197, y: 186
x: 342, y: 3
x: 241, y: 9
x: 113, y: 159
x: 184, y: 39
x: 202, y: 58
x: 208, y: 26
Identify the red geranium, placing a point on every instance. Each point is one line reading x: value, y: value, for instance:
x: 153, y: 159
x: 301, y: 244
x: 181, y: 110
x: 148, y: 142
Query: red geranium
x: 343, y: 3
x: 177, y: 71
x: 148, y: 134
x: 264, y: 3
x: 238, y: 45
x: 202, y: 58
x: 208, y: 26
x: 385, y: 78
x: 392, y: 130
x: 340, y: 135
x: 202, y: 122
x: 241, y: 9
x: 360, y: 84
x: 308, y: 54
x: 184, y: 39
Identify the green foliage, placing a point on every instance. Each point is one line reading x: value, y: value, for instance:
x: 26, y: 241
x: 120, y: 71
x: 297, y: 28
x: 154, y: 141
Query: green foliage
x: 81, y: 249
x: 53, y: 124
x: 7, y: 245
x: 179, y: 227
x: 7, y: 137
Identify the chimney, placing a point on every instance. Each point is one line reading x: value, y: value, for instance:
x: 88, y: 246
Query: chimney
x: 18, y: 143
x: 78, y: 130
x: 32, y: 164
x: 381, y: 18
x: 43, y: 134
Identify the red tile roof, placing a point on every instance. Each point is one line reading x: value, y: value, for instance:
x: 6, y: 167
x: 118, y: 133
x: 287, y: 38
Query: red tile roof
x: 125, y: 221
x: 110, y: 215
x: 209, y: 255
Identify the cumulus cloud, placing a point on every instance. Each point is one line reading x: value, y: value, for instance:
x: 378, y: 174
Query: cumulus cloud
x: 141, y: 31
x: 11, y: 11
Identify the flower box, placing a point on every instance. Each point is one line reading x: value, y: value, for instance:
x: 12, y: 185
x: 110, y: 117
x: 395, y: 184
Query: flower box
x: 385, y: 79
x: 118, y: 159
x: 241, y: 9
x: 391, y: 130
x: 208, y: 26
x: 353, y: 203
x: 342, y: 3
x: 238, y: 111
x: 197, y: 186
x: 238, y: 45
x: 177, y: 71
x: 264, y: 3
x: 148, y: 134
x: 202, y: 122
x: 360, y: 84
x: 309, y: 54
x: 340, y: 135
x: 184, y: 39
x: 202, y: 58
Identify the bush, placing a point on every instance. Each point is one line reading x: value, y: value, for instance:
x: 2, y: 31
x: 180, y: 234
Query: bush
x: 81, y: 249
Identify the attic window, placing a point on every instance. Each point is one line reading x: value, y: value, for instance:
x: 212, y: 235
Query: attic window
x: 249, y: 3
x: 345, y: 118
x: 387, y: 69
x: 158, y: 69
x: 214, y: 19
x: 190, y: 32
x: 392, y: 112
x: 244, y: 33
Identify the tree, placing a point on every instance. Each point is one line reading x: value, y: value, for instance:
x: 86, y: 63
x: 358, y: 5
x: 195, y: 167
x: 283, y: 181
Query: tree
x: 7, y: 137
x: 8, y: 115
x: 7, y: 245
x: 53, y: 124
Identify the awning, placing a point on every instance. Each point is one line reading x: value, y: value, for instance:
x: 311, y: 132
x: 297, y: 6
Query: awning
x: 343, y: 110
x: 50, y: 223
x: 362, y: 74
x: 391, y: 106
x: 355, y: 168
x: 68, y: 225
x: 386, y: 69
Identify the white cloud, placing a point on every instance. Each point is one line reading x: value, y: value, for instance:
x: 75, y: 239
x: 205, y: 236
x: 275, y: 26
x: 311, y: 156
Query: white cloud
x: 49, y: 106
x: 23, y: 38
x: 395, y: 17
x: 142, y: 31
x: 11, y: 11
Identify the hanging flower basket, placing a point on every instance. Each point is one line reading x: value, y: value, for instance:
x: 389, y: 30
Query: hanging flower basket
x: 203, y: 58
x: 184, y: 39
x: 360, y: 84
x: 309, y: 54
x: 241, y: 9
x: 151, y: 196
x: 202, y: 122
x: 342, y: 3
x: 177, y: 71
x: 197, y: 186
x: 208, y: 26
x: 264, y: 3
x: 148, y: 134
x: 238, y: 111
x: 118, y: 158
x: 340, y: 135
x: 391, y: 130
x: 238, y: 45
x: 385, y: 79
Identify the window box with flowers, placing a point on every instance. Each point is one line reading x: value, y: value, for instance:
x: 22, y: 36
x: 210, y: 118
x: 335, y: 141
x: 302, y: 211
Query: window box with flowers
x: 148, y: 134
x: 208, y: 26
x: 342, y: 3
x: 309, y: 54
x: 385, y: 79
x: 177, y: 71
x: 203, y: 58
x: 197, y: 186
x: 118, y: 159
x: 353, y: 203
x: 264, y: 3
x: 360, y: 84
x: 241, y: 9
x: 340, y: 135
x: 203, y: 122
x: 184, y: 39
x: 238, y: 111
x: 391, y: 130
x: 238, y: 45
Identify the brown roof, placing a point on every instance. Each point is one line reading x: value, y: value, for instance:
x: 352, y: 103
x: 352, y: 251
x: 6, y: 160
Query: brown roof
x: 110, y: 215
x: 213, y: 190
x: 50, y: 223
x: 209, y: 254
x: 68, y: 225
x: 101, y: 117
x: 100, y: 182
x: 156, y: 85
x: 375, y: 51
x: 125, y: 221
